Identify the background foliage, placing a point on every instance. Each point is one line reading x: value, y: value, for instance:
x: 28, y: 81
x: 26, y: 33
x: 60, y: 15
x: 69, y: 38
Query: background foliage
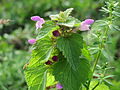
x: 14, y: 52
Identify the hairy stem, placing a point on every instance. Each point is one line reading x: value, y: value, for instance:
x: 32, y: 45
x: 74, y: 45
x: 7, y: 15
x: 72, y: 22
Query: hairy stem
x: 97, y: 57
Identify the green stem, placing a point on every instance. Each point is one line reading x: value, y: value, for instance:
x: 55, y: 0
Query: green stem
x: 97, y: 58
x: 95, y: 64
x: 96, y: 61
x: 99, y: 53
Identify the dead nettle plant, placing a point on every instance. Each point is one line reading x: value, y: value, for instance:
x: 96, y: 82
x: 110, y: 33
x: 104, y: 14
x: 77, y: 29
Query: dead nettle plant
x: 61, y: 54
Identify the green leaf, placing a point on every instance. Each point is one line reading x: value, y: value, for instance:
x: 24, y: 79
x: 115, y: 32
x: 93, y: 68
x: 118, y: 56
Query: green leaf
x: 68, y: 12
x: 70, y: 79
x: 62, y: 16
x: 70, y: 22
x: 101, y: 86
x: 99, y: 25
x: 107, y: 55
x: 109, y: 76
x: 44, y: 82
x: 86, y: 52
x: 50, y: 80
x: 36, y: 77
x: 116, y: 13
x: 54, y: 17
x: 65, y: 14
x: 114, y: 27
x: 42, y: 51
x: 108, y: 83
x: 48, y: 27
x: 71, y: 47
x: 36, y: 72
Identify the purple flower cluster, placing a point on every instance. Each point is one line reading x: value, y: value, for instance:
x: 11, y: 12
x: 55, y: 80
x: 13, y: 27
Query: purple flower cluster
x: 39, y: 22
x: 85, y: 25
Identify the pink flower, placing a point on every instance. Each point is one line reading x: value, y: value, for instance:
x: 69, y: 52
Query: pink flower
x: 39, y: 22
x: 85, y: 25
x: 31, y: 41
x: 59, y: 86
x: 89, y: 21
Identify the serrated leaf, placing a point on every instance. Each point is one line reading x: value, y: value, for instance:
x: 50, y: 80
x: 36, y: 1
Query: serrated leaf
x: 36, y: 77
x: 62, y: 16
x: 68, y: 12
x: 70, y: 79
x: 42, y: 51
x: 54, y: 17
x: 48, y: 27
x: 70, y: 22
x: 71, y: 47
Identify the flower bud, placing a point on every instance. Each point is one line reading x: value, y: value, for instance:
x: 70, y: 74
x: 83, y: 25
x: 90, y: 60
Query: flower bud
x: 56, y: 33
x: 31, y: 41
x: 48, y: 62
x: 55, y: 58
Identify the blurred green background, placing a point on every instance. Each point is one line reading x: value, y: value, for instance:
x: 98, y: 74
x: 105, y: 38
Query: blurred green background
x: 14, y: 49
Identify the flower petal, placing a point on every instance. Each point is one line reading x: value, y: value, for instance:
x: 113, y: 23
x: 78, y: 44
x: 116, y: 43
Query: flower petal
x: 35, y: 18
x: 89, y: 21
x: 31, y: 41
x: 84, y: 27
x: 38, y: 25
x: 42, y: 20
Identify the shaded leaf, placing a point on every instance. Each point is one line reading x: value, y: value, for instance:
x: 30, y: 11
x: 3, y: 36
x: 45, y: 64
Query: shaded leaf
x: 71, y: 47
x: 70, y: 22
x: 70, y: 79
x: 62, y: 16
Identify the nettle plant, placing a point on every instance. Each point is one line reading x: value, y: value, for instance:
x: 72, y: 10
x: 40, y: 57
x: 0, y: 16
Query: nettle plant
x: 64, y: 49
